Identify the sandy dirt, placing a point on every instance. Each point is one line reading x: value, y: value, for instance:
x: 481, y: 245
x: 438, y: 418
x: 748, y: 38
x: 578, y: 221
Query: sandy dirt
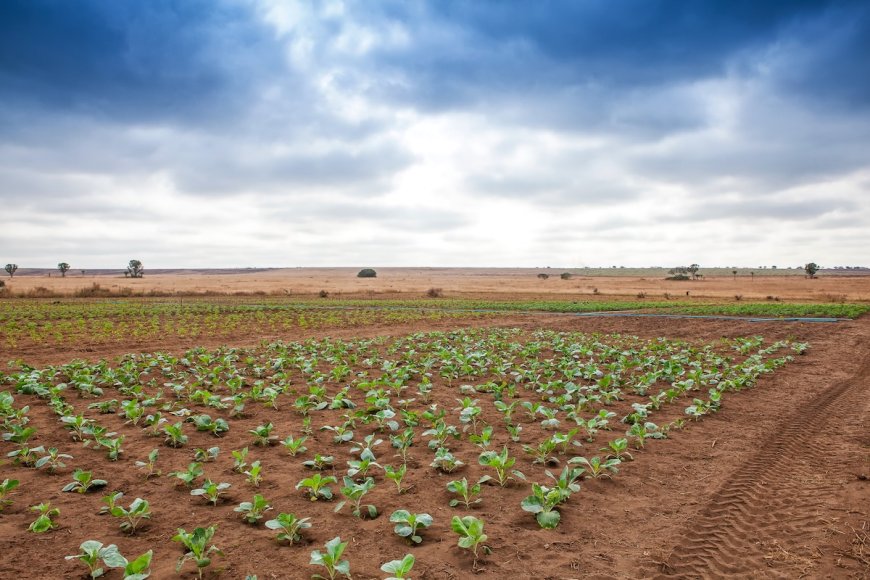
x: 462, y: 282
x: 773, y: 486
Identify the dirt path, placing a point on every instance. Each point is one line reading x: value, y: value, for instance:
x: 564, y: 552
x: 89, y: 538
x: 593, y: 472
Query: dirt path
x: 797, y: 507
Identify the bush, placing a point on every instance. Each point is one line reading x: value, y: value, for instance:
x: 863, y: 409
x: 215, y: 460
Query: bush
x: 323, y: 294
x: 543, y: 276
x: 367, y: 273
x: 566, y: 275
x: 434, y: 293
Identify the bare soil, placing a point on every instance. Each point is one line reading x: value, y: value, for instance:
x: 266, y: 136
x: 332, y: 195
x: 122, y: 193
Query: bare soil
x: 773, y: 486
x: 459, y: 282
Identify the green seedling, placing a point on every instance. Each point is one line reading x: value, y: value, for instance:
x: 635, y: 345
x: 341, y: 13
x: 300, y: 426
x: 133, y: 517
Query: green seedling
x: 542, y: 503
x: 263, y: 435
x: 445, y: 461
x: 396, y: 474
x: 206, y: 455
x: 403, y: 443
x: 341, y: 433
x: 83, y: 482
x: 252, y: 511
x: 5, y: 489
x: 149, y: 464
x: 317, y: 486
x: 471, y: 536
x: 53, y: 461
x: 484, y: 439
x: 112, y: 446
x: 290, y: 527
x: 295, y: 446
x: 254, y: 475
x: 399, y: 569
x: 175, y: 436
x: 26, y: 456
x: 111, y: 501
x: 211, y: 490
x: 131, y: 517
x: 640, y: 432
x: 240, y: 459
x: 331, y: 559
x: 139, y: 568
x: 441, y: 431
x: 361, y: 468
x: 216, y: 427
x: 191, y: 474
x: 618, y: 449
x: 319, y: 462
x: 354, y: 493
x: 595, y: 467
x: 105, y: 407
x: 566, y: 483
x: 45, y: 521
x: 501, y: 463
x: 92, y: 552
x: 544, y: 452
x: 467, y: 493
x: 408, y: 523
x: 197, y: 546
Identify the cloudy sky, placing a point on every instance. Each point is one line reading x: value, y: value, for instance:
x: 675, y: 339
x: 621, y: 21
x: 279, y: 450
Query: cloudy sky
x: 191, y: 133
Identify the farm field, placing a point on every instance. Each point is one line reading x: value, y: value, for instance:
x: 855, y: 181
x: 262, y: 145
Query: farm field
x: 739, y: 437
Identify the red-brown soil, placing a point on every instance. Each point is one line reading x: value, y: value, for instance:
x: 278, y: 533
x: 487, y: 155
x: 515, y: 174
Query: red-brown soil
x: 774, y: 485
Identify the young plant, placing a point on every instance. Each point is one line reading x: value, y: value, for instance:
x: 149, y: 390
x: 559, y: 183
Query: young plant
x: 320, y: 462
x: 263, y: 435
x: 175, y: 436
x: 149, y: 464
x: 112, y: 446
x: 403, y: 443
x: 396, y: 474
x: 252, y: 511
x: 467, y: 493
x: 445, y: 461
x: 399, y: 568
x: 131, y: 517
x: 5, y: 489
x: 331, y: 559
x: 45, y: 521
x: 211, y: 490
x: 595, y: 467
x: 317, y: 486
x: 197, y: 546
x: 566, y: 483
x: 206, y: 455
x: 290, y: 527
x: 471, y: 536
x: 542, y: 503
x: 53, y: 461
x: 92, y: 552
x: 544, y: 452
x: 354, y: 493
x: 216, y: 427
x: 295, y: 446
x: 139, y: 568
x: 484, y: 439
x: 191, y: 474
x: 501, y: 463
x: 408, y: 523
x: 83, y: 482
x: 618, y: 449
x: 240, y: 459
x: 254, y: 474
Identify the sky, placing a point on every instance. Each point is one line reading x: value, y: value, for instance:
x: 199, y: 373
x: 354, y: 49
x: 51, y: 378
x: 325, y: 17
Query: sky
x: 234, y: 133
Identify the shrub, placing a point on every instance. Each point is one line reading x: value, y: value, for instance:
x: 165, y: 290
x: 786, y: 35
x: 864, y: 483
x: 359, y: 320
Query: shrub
x: 323, y: 294
x: 367, y: 273
x: 434, y: 293
x: 566, y: 275
x: 543, y: 276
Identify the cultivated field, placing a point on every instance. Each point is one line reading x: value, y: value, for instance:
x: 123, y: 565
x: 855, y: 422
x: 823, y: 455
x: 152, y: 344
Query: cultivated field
x: 607, y: 447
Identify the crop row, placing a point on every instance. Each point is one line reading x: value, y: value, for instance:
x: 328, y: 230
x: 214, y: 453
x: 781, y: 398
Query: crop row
x: 359, y: 425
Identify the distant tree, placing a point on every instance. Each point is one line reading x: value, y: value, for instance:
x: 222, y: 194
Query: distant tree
x: 811, y: 269
x: 367, y: 273
x: 734, y: 272
x: 543, y: 276
x: 10, y: 269
x: 64, y: 268
x: 566, y: 275
x: 134, y: 270
x: 693, y: 270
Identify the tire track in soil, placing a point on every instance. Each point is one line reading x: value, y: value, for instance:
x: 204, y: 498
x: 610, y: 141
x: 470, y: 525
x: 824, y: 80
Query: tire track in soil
x: 754, y: 524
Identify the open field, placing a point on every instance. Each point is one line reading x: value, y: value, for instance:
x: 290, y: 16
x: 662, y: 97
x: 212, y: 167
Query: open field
x: 773, y: 466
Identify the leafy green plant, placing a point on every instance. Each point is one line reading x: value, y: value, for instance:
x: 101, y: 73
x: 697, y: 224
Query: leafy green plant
x: 618, y: 449
x: 399, y: 568
x: 252, y: 511
x: 83, y: 482
x: 566, y: 482
x: 216, y: 427
x: 354, y: 493
x: 466, y: 492
x: 240, y: 459
x: 131, y: 517
x: 471, y: 536
x: 53, y: 461
x: 331, y: 559
x: 263, y: 435
x: 254, y: 475
x: 198, y: 549
x: 501, y: 463
x: 542, y: 503
x: 188, y: 476
x: 544, y: 452
x: 295, y: 446
x: 317, y: 486
x: 403, y: 443
x: 92, y: 552
x: 149, y: 465
x: 211, y: 490
x: 175, y: 436
x: 595, y: 467
x: 139, y: 567
x: 445, y: 460
x: 5, y: 489
x: 290, y: 527
x: 319, y: 462
x: 407, y: 524
x: 45, y: 521
x: 206, y: 455
x: 396, y: 474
